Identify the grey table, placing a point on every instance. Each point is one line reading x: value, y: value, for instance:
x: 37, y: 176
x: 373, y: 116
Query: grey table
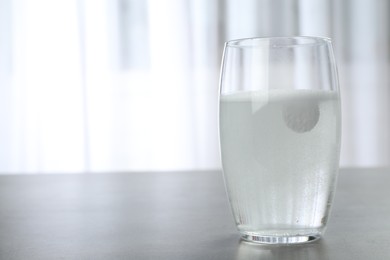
x: 173, y: 215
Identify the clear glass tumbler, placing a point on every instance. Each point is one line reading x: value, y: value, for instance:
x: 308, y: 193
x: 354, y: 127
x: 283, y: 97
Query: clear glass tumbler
x: 279, y: 123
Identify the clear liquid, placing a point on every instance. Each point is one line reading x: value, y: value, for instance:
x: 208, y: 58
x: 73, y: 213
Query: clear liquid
x: 280, y: 154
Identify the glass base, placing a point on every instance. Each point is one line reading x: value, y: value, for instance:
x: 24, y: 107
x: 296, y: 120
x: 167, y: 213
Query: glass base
x: 280, y: 240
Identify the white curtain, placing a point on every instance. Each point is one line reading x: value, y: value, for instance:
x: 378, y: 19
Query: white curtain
x: 41, y: 86
x: 121, y: 85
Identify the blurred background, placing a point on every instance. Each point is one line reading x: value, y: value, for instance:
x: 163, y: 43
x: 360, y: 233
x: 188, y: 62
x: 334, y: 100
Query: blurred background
x: 132, y: 85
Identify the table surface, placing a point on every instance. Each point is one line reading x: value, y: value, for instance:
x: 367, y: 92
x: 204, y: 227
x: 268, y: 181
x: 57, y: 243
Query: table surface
x: 173, y: 215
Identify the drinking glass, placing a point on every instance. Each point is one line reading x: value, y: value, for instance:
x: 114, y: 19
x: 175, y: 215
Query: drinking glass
x: 279, y: 123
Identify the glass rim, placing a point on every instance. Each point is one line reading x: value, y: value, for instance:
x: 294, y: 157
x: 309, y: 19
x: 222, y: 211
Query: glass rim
x: 279, y: 41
